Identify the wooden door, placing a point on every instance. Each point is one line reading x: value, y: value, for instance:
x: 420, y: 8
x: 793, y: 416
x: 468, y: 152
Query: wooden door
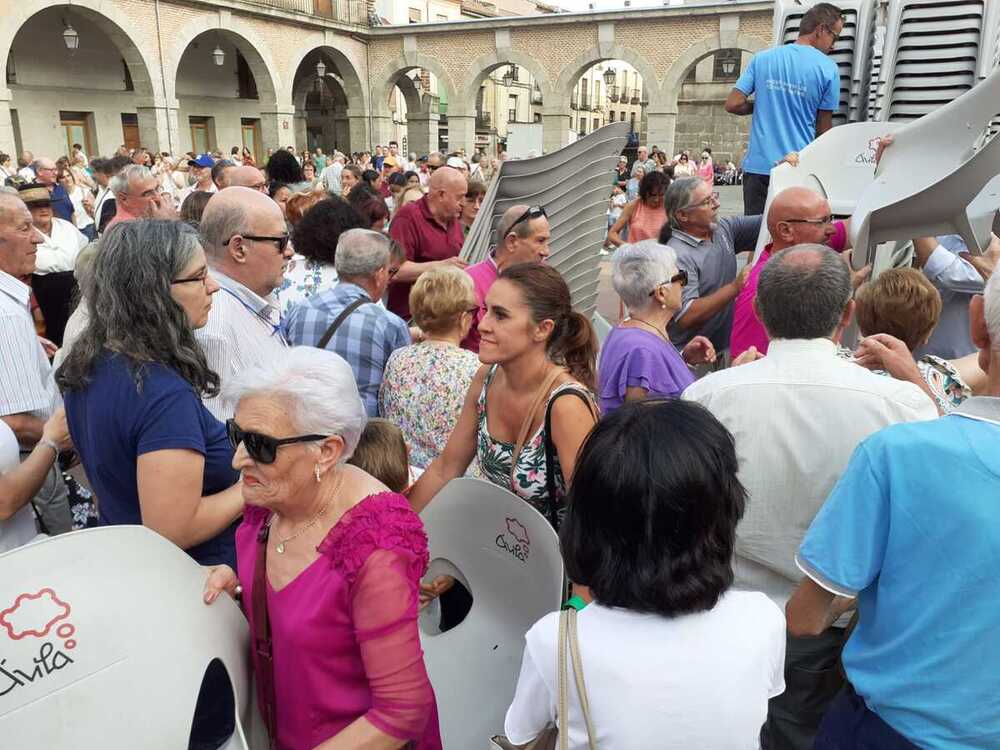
x: 130, y: 135
x: 199, y: 137
x: 251, y: 138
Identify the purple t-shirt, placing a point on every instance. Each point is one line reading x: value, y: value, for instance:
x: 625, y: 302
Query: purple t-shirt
x: 634, y: 358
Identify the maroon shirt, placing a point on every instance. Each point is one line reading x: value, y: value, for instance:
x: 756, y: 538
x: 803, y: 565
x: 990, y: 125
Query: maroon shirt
x: 423, y: 239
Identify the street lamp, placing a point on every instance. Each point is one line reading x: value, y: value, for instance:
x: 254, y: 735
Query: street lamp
x: 218, y: 55
x: 320, y: 69
x: 728, y: 66
x: 508, y: 77
x: 610, y: 76
x: 70, y: 37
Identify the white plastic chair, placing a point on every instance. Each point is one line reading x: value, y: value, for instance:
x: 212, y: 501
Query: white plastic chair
x: 105, y: 641
x: 507, y: 555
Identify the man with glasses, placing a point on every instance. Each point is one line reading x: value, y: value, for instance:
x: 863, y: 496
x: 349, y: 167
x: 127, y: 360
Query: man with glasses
x: 137, y: 196
x: 797, y: 216
x: 47, y: 172
x: 249, y: 177
x: 522, y: 236
x: 797, y: 88
x: 246, y: 242
x: 706, y: 248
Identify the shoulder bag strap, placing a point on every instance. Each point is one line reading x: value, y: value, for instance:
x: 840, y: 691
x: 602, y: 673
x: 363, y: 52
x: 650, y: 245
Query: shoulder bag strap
x: 529, y: 417
x: 581, y: 688
x: 550, y: 449
x: 263, y: 655
x: 563, y: 717
x: 340, y: 319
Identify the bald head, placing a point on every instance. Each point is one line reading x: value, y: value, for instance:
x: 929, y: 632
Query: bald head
x: 237, y: 210
x: 446, y: 177
x: 796, y: 217
x: 248, y: 177
x: 446, y: 190
x: 12, y: 209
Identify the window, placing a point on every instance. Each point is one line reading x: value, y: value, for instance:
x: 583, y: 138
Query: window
x: 622, y: 118
x: 597, y: 93
x: 631, y: 120
x: 415, y: 15
x: 77, y: 127
x: 130, y: 130
x: 511, y: 109
x: 597, y: 124
x: 129, y: 86
x: 245, y: 82
x: 538, y: 117
x: 251, y: 135
x: 202, y: 134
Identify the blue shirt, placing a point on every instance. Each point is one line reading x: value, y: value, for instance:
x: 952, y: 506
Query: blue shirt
x: 113, y: 422
x: 62, y: 206
x: 791, y: 82
x: 913, y: 529
x: 365, y: 338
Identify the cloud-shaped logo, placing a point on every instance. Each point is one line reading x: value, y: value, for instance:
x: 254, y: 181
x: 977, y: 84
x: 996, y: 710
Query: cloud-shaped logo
x: 517, y: 531
x: 33, y: 614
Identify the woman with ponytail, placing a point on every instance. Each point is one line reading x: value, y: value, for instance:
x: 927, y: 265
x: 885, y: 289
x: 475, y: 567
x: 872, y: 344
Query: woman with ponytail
x: 530, y: 406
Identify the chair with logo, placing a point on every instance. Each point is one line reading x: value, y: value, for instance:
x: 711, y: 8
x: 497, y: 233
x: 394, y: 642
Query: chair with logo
x: 105, y: 642
x: 507, y: 555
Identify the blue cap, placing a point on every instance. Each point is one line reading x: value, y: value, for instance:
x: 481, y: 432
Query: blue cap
x: 202, y: 160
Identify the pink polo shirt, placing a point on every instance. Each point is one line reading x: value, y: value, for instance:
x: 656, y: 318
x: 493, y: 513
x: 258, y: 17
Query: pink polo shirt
x: 747, y: 329
x: 483, y: 275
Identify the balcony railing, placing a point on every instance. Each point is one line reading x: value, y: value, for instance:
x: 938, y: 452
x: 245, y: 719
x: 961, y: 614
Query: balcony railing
x: 584, y: 101
x: 613, y: 93
x: 536, y: 97
x: 635, y: 96
x: 346, y: 11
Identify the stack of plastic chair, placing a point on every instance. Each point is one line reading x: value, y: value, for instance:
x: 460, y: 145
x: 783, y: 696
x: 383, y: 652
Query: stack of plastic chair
x: 507, y: 556
x: 937, y: 178
x: 852, y: 52
x: 934, y: 52
x: 105, y: 642
x: 572, y: 185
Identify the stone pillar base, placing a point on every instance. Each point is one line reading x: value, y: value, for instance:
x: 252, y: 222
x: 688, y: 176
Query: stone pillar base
x: 158, y: 128
x: 276, y: 127
x: 555, y: 132
x: 660, y: 127
x: 462, y: 133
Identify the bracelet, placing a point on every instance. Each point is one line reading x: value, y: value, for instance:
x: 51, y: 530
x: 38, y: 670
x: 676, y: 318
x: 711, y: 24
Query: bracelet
x: 50, y: 444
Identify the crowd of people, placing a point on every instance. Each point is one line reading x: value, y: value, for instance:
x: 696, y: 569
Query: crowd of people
x: 772, y: 480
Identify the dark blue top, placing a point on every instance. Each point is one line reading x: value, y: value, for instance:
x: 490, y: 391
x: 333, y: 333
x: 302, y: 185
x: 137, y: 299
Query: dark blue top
x: 62, y: 206
x: 113, y: 422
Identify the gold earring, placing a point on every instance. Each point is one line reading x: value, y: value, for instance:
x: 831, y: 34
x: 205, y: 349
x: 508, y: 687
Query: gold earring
x: 316, y: 472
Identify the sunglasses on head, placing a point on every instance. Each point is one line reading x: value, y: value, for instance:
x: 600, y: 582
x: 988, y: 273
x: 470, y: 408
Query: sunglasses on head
x: 534, y: 212
x: 263, y: 448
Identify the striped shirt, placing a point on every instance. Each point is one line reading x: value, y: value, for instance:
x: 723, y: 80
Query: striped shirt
x: 365, y: 339
x: 243, y: 330
x: 26, y: 382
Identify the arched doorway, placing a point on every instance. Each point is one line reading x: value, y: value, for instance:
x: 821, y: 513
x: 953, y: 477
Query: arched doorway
x: 99, y: 95
x: 410, y: 105
x: 610, y: 91
x: 330, y: 111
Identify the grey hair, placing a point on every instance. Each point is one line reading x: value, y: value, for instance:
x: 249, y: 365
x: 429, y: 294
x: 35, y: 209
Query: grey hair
x: 361, y: 252
x: 131, y: 311
x: 316, y: 385
x: 802, y: 292
x: 121, y: 181
x: 218, y: 224
x: 638, y: 268
x: 991, y: 310
x: 522, y: 230
x: 679, y: 197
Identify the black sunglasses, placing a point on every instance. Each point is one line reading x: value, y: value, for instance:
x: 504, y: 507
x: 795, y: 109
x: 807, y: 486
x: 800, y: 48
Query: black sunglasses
x: 682, y: 276
x: 282, y: 240
x: 263, y: 448
x: 534, y: 212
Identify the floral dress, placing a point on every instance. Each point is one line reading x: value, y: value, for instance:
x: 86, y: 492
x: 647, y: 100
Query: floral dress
x: 304, y: 278
x: 495, y: 456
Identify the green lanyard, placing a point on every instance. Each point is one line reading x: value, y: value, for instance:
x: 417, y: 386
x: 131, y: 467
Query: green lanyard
x: 574, y: 602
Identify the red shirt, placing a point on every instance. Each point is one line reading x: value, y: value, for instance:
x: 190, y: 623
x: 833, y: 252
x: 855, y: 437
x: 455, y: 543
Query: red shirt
x: 423, y: 239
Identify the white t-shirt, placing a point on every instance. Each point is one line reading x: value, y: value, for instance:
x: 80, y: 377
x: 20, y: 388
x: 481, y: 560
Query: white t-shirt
x: 20, y: 528
x: 59, y: 250
x: 80, y: 215
x: 695, y: 681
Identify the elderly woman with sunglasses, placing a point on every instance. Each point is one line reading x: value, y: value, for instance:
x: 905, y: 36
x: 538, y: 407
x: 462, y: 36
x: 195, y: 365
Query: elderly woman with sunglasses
x: 329, y: 565
x: 133, y: 383
x: 638, y: 359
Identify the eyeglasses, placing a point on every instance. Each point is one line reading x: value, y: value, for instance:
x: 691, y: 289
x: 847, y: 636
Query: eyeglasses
x: 393, y: 270
x: 681, y: 276
x: 534, y: 212
x: 263, y: 448
x: 831, y: 32
x: 202, y: 277
x: 281, y: 240
x: 818, y: 222
x: 714, y: 197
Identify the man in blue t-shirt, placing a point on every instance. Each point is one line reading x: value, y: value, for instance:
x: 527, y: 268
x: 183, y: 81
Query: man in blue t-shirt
x: 912, y: 534
x: 797, y: 88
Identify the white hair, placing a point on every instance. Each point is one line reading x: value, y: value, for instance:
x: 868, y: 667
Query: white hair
x: 638, y: 268
x: 132, y: 173
x: 991, y: 310
x: 317, y: 387
x: 361, y: 252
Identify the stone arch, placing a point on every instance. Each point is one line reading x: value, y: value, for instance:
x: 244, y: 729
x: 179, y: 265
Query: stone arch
x: 334, y: 83
x: 465, y: 103
x: 250, y: 45
x: 384, y: 80
x: 591, y: 57
x: 349, y: 79
x: 697, y: 52
x: 106, y: 17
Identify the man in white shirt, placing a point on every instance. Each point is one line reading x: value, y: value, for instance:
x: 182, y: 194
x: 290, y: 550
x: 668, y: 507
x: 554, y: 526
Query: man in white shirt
x: 28, y: 394
x: 797, y: 415
x: 24, y: 162
x: 330, y: 177
x: 246, y: 241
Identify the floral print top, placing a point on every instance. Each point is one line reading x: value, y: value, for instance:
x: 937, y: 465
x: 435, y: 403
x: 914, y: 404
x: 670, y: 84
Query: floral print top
x: 422, y: 392
x: 304, y: 278
x: 495, y: 456
x: 942, y: 378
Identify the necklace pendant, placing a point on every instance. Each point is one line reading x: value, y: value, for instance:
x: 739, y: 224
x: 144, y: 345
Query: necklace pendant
x: 280, y: 548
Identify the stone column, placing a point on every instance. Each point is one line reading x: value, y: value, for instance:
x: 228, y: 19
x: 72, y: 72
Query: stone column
x: 555, y: 130
x: 382, y: 131
x: 7, y: 124
x: 276, y: 126
x: 158, y: 127
x: 660, y: 125
x: 422, y: 132
x: 300, y: 126
x: 462, y: 133
x: 358, y: 134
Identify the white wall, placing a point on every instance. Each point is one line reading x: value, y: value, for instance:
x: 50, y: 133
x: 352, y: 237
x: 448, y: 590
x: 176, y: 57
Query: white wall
x: 198, y: 75
x: 226, y: 116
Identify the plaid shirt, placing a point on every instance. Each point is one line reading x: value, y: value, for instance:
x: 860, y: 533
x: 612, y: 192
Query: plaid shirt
x: 365, y: 339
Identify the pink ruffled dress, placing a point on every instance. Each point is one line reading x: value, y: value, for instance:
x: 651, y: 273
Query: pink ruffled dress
x: 344, y: 631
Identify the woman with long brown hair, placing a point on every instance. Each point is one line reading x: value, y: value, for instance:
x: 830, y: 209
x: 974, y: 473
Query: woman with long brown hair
x: 535, y: 349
